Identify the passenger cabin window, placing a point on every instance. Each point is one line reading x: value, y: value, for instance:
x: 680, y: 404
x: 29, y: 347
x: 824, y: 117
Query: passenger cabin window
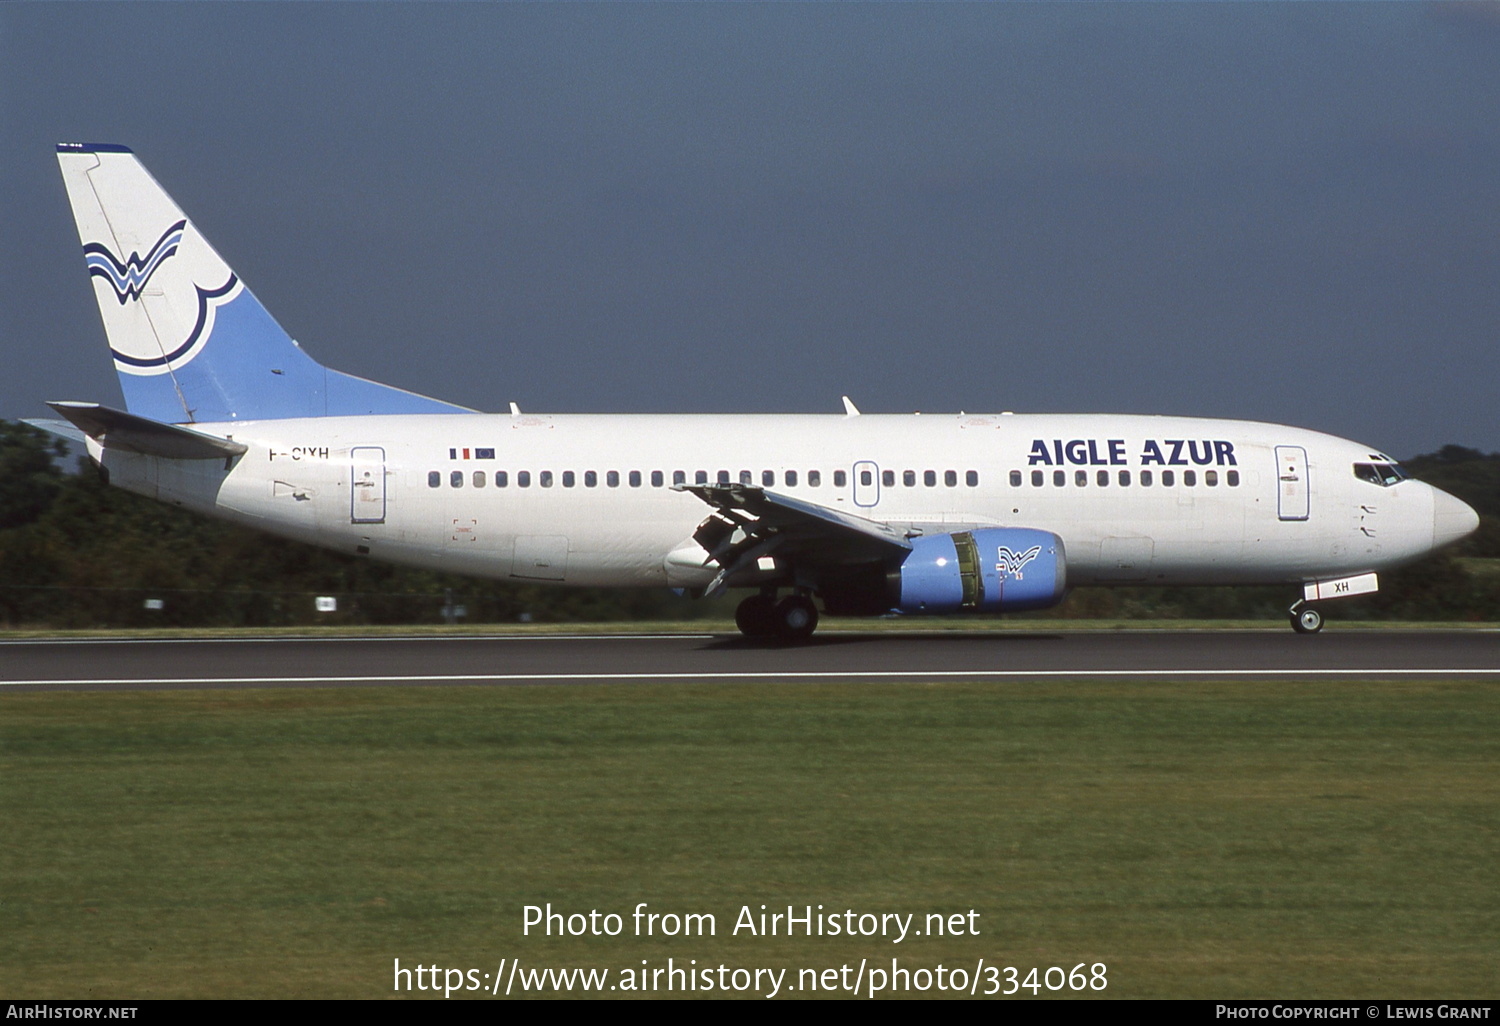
x: 950, y: 478
x: 545, y: 479
x: 679, y: 477
x: 1081, y: 478
x: 456, y: 479
x: 888, y: 478
x: 569, y: 479
x: 501, y: 479
x: 746, y: 477
x: 434, y: 478
x: 478, y: 479
x: 840, y: 479
x: 866, y: 478
x: 1168, y: 478
x: 1232, y: 478
x: 1059, y: 478
x: 929, y: 478
x: 657, y: 479
x: 723, y: 477
x: 1124, y: 477
x: 909, y: 478
x: 700, y: 477
x: 1189, y: 478
x: 768, y: 478
x: 612, y: 478
x: 814, y: 478
x: 1103, y: 478
x: 1037, y: 477
x: 635, y: 479
x: 1015, y: 478
x: 791, y: 478
x: 523, y: 479
x: 591, y: 479
x: 1145, y: 479
x: 1211, y: 478
x: 971, y: 478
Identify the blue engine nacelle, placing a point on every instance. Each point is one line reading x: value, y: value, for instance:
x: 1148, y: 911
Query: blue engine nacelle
x: 991, y: 570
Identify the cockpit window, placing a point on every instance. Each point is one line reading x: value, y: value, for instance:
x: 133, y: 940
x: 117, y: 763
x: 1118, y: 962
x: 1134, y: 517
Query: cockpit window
x: 1383, y: 474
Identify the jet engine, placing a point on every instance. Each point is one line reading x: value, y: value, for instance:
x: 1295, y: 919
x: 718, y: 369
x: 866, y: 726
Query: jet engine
x: 990, y: 570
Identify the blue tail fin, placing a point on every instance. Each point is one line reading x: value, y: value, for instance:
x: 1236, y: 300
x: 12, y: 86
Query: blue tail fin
x: 191, y: 343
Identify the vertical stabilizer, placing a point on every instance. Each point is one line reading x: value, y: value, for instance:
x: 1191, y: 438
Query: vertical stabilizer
x: 189, y: 340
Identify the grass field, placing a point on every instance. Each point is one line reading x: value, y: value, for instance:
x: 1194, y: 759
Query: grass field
x: 1202, y: 840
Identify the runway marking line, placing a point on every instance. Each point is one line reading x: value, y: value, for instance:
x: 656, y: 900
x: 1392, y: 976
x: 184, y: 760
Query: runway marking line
x: 460, y: 678
x: 363, y: 640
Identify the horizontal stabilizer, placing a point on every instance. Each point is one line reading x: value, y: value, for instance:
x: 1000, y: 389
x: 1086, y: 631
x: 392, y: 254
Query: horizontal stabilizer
x: 115, y: 429
x: 60, y: 428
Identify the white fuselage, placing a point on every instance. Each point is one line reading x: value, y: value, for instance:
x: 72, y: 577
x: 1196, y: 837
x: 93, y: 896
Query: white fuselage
x: 588, y: 499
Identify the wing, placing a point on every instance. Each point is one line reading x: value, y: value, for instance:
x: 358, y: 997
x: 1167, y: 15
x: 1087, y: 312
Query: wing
x: 750, y: 523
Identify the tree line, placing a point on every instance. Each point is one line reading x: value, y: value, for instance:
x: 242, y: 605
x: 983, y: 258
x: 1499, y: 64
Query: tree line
x: 77, y: 553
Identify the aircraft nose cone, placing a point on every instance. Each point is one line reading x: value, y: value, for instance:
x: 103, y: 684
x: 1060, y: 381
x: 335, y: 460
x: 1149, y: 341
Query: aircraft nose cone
x: 1452, y: 518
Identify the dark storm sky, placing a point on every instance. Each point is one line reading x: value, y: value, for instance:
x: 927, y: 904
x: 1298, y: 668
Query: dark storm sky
x: 1285, y: 212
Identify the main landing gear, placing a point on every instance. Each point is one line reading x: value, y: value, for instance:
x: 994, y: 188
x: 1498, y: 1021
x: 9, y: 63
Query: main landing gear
x: 1305, y: 619
x: 794, y: 618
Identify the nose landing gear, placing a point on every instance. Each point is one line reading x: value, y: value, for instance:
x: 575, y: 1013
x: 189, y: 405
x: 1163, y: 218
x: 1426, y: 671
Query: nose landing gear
x: 1305, y: 619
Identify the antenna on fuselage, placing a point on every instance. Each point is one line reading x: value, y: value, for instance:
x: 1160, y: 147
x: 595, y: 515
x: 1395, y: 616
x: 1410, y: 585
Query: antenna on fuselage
x: 850, y: 410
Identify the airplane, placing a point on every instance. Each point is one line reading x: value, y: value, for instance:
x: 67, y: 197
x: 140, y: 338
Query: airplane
x: 869, y: 515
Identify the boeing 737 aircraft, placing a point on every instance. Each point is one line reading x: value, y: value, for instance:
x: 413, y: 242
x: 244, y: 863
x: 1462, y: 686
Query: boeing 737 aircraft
x: 227, y: 416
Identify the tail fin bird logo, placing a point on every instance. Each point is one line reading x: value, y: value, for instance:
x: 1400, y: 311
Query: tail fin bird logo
x: 130, y: 277
x: 1011, y: 562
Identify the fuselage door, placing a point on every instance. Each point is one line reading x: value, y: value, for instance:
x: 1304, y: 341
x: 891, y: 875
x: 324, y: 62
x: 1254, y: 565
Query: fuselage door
x: 367, y: 484
x: 866, y: 483
x: 1291, y: 482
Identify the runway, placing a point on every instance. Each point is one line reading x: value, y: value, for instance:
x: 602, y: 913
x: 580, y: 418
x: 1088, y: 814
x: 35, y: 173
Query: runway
x: 832, y: 656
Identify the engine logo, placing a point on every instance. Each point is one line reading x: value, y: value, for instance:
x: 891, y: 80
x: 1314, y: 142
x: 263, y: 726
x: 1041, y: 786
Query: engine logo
x: 1011, y: 562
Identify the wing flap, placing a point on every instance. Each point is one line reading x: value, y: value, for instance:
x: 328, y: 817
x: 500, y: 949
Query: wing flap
x: 767, y: 511
x: 751, y: 522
